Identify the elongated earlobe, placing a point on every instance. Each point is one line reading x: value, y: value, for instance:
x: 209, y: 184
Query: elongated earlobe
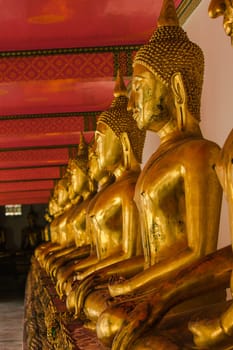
x: 126, y: 150
x: 180, y: 99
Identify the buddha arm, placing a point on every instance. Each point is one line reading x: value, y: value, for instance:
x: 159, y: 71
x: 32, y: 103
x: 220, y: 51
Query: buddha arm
x: 130, y: 236
x: 153, y: 274
x: 209, y: 273
x: 85, y: 263
x: 116, y: 264
x: 202, y: 221
x: 43, y: 247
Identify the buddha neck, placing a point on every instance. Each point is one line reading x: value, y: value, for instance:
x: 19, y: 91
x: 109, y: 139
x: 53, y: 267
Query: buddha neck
x: 86, y: 194
x: 105, y: 181
x: 76, y: 199
x: 58, y: 213
x: 170, y: 133
x: 124, y: 170
x: 67, y: 206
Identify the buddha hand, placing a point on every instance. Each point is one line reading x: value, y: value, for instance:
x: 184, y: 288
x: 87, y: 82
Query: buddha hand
x: 132, y: 327
x: 62, y: 282
x: 80, y: 275
x: 145, y: 314
x: 118, y: 285
x: 208, y: 333
x: 83, y: 289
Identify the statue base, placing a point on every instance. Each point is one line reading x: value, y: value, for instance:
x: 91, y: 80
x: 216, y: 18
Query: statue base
x: 48, y: 324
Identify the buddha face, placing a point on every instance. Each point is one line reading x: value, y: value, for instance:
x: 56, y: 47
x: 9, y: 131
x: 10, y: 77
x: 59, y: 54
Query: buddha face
x: 94, y: 171
x: 53, y: 207
x: 62, y: 195
x: 223, y: 8
x: 150, y: 100
x: 224, y: 167
x: 108, y: 147
x: 79, y: 180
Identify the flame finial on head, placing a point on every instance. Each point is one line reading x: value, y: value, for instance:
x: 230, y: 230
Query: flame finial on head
x: 82, y: 147
x: 168, y: 15
x: 120, y: 88
x: 81, y: 156
x: 120, y: 120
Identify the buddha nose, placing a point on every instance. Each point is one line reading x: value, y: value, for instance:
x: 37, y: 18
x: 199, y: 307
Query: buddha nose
x: 217, y: 8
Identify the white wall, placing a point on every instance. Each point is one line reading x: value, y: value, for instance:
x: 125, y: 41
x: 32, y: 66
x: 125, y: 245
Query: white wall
x: 217, y: 97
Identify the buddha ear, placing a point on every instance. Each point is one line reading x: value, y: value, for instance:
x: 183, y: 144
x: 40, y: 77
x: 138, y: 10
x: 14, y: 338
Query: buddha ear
x: 180, y: 99
x: 126, y: 149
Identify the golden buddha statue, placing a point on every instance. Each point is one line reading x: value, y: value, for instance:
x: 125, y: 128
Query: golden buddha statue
x: 113, y: 216
x: 76, y: 222
x: 56, y: 206
x: 177, y: 194
x: 63, y: 272
x: 218, y: 332
x: 73, y: 223
x: 63, y: 202
x: 76, y: 219
x: 223, y: 8
x: 78, y: 189
x: 46, y: 232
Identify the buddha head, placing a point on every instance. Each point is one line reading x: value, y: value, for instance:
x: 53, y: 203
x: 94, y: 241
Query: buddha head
x: 78, y: 169
x: 224, y: 170
x: 53, y: 207
x: 62, y: 191
x: 117, y: 131
x: 223, y: 8
x: 94, y: 171
x: 167, y: 75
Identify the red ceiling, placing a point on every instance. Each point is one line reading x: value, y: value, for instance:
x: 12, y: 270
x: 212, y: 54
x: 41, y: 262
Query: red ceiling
x: 41, y: 24
x: 58, y: 60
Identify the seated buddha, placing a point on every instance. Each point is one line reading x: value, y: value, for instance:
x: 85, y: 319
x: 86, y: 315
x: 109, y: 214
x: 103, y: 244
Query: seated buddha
x: 178, y: 194
x: 75, y: 224
x: 113, y: 216
x: 56, y: 207
x: 74, y: 190
x: 64, y: 270
x: 217, y: 332
x: 46, y: 232
x: 72, y: 228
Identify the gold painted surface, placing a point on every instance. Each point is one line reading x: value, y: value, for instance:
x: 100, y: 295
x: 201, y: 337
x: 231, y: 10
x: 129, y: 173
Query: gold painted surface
x: 177, y: 193
x: 68, y: 193
x: 72, y: 224
x: 113, y: 215
x: 223, y: 8
x: 178, y: 197
x: 66, y: 266
x: 56, y: 207
x: 218, y: 332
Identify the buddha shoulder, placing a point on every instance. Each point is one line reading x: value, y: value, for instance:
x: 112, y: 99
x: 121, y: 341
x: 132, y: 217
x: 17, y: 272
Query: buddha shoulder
x: 113, y: 193
x: 194, y: 157
x: 198, y: 149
